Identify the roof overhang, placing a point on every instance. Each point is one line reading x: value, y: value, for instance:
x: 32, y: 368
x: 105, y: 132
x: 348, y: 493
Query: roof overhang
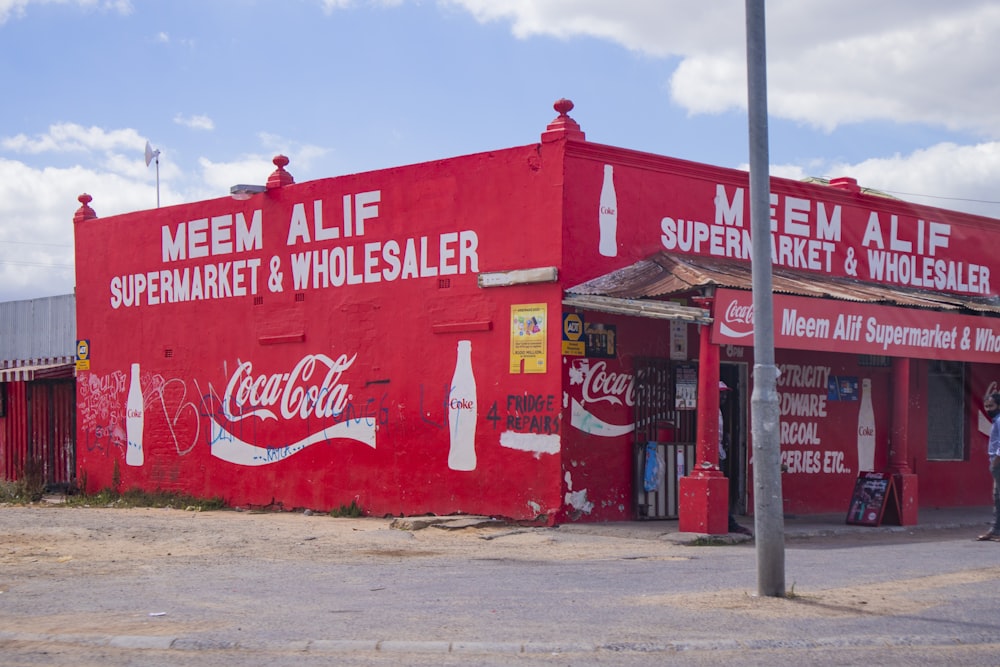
x: 44, y: 371
x: 662, y: 310
x: 662, y: 275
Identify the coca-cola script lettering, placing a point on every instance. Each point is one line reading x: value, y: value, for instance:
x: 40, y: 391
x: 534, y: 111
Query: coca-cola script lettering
x: 739, y: 314
x: 599, y: 385
x: 295, y: 393
x: 737, y: 321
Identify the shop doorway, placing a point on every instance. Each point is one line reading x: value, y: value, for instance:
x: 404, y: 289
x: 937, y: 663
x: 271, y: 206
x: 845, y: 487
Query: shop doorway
x: 663, y: 431
x: 734, y: 408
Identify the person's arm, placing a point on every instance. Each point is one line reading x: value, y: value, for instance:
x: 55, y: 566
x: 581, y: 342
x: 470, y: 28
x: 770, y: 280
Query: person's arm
x: 994, y: 448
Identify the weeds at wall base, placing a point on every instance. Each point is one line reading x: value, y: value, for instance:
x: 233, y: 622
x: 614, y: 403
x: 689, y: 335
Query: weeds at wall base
x: 139, y: 498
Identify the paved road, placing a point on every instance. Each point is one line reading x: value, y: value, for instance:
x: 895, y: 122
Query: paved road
x: 303, y: 595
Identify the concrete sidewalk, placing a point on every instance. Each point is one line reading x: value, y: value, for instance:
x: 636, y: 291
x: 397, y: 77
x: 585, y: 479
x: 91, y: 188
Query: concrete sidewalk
x: 976, y: 519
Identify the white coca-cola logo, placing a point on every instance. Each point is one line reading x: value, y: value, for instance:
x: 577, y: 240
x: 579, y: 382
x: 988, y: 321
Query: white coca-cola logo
x: 737, y: 321
x: 300, y: 393
x: 600, y: 385
x: 737, y: 313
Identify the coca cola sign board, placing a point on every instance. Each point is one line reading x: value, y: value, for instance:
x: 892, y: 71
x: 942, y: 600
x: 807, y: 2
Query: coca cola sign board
x: 828, y: 325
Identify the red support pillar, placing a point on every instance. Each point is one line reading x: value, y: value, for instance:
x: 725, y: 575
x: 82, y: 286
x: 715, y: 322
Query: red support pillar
x: 704, y: 492
x: 899, y: 437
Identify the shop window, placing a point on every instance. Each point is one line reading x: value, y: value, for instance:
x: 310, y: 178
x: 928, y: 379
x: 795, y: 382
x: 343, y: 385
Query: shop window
x: 3, y: 399
x: 874, y: 361
x: 946, y: 422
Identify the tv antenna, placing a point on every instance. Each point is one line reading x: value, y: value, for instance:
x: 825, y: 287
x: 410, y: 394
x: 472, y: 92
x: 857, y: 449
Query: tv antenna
x: 150, y: 156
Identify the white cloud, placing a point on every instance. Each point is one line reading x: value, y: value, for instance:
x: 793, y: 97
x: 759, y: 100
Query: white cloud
x: 828, y: 63
x: 195, y: 122
x: 36, y: 239
x: 968, y: 173
x: 70, y: 137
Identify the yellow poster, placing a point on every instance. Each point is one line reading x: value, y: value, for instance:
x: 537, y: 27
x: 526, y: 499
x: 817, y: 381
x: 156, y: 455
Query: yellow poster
x: 528, y: 326
x: 573, y: 344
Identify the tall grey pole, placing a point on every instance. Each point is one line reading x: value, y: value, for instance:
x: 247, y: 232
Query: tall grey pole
x: 768, y: 507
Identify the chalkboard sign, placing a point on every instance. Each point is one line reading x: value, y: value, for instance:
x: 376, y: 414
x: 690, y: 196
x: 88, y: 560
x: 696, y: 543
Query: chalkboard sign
x: 874, y: 500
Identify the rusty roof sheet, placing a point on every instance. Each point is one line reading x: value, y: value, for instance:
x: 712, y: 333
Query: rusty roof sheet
x: 665, y: 275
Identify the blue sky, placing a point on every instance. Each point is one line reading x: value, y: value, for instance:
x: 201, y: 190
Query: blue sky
x: 900, y: 94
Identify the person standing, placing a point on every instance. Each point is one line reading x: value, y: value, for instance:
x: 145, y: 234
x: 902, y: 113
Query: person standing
x: 992, y: 406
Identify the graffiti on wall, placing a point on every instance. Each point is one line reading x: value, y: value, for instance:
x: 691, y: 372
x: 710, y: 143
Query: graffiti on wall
x: 530, y: 423
x: 232, y: 422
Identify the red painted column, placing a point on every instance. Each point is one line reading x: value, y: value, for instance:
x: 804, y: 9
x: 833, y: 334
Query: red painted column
x: 899, y: 437
x: 704, y: 492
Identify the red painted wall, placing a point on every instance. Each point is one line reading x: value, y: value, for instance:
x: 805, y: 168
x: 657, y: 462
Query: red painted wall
x: 598, y: 443
x: 312, y: 364
x: 315, y: 389
x: 958, y: 483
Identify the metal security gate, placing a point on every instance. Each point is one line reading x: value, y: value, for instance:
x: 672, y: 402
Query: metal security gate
x: 38, y: 438
x: 673, y: 432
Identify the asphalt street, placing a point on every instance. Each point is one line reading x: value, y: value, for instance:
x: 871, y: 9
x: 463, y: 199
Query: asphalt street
x: 487, y: 594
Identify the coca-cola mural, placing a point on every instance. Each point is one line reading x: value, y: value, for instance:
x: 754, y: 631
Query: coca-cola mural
x: 313, y: 392
x: 600, y: 398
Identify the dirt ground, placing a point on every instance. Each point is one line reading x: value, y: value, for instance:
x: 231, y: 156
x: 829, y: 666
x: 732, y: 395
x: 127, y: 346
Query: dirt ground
x: 61, y: 541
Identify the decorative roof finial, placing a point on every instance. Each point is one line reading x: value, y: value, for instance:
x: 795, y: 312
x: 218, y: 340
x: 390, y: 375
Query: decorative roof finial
x: 280, y: 178
x: 84, y: 212
x: 563, y: 127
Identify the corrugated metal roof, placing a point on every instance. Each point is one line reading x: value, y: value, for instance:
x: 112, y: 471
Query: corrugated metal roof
x: 665, y: 275
x: 38, y: 328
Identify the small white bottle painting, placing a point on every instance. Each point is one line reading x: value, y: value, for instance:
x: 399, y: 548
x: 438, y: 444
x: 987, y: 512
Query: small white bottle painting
x: 134, y: 421
x: 608, y: 215
x: 866, y: 429
x: 462, y: 411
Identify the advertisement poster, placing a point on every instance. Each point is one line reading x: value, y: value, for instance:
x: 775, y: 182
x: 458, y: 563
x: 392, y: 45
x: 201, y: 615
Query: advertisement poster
x: 527, y: 338
x: 686, y: 390
x: 602, y: 340
x: 572, y: 335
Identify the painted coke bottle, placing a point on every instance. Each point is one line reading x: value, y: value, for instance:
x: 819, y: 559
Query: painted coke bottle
x: 866, y: 428
x: 608, y: 217
x: 134, y: 420
x: 463, y: 411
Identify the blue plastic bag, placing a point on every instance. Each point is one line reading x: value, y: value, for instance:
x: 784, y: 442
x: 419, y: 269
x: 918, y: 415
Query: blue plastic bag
x: 654, y: 467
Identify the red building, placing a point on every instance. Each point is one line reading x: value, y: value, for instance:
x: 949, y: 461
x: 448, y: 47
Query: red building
x: 504, y: 333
